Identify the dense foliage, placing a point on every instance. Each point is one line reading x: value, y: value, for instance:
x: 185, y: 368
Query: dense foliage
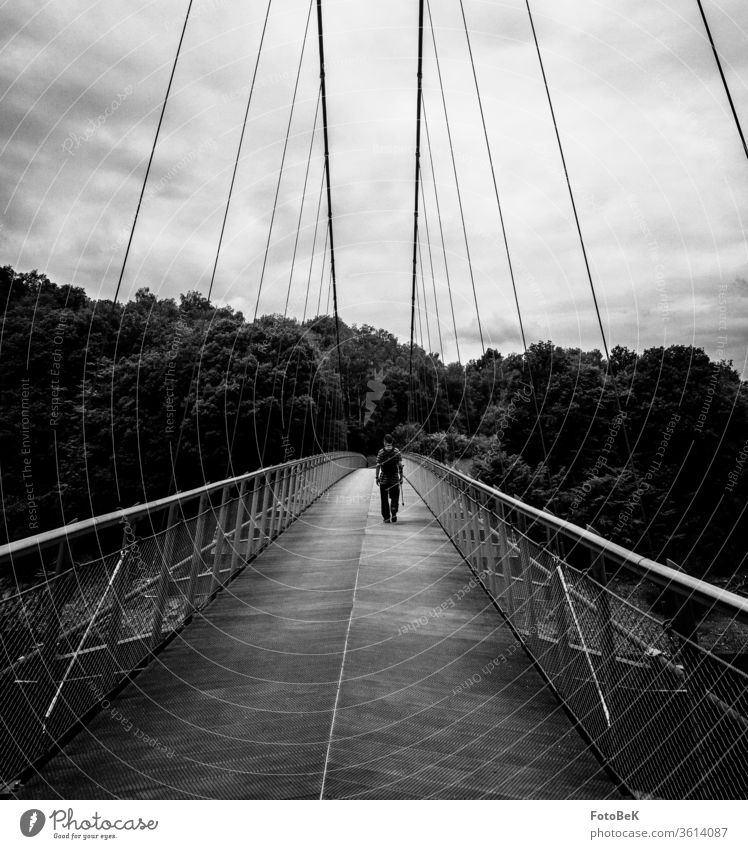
x: 105, y: 405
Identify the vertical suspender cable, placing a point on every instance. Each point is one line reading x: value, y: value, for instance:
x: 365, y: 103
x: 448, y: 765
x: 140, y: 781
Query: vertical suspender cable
x: 457, y: 182
x: 505, y: 238
x: 153, y: 151
x: 301, y: 214
x: 441, y: 233
x: 436, y: 305
x: 333, y: 278
x: 239, y: 148
x: 624, y: 429
x: 140, y: 203
x: 290, y: 282
x: 419, y: 100
x: 314, y: 245
x: 568, y: 182
x: 433, y: 279
x: 322, y: 272
x: 232, y: 440
x: 724, y: 80
x: 425, y: 308
x: 283, y: 162
x: 223, y: 223
x: 495, y: 184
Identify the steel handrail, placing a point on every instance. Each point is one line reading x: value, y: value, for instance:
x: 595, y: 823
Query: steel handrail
x: 660, y: 574
x: 108, y: 520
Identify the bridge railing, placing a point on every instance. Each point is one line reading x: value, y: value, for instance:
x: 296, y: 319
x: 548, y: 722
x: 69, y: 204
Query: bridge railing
x: 651, y: 661
x: 117, y: 586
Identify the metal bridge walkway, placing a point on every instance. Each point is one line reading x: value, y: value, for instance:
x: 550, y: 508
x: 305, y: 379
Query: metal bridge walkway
x: 351, y: 659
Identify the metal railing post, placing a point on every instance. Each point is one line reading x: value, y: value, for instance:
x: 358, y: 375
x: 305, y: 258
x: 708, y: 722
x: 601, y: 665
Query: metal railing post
x: 265, y: 505
x: 236, y: 542
x: 285, y: 502
x: 119, y: 591
x: 442, y: 489
x: 507, y: 558
x: 314, y: 481
x: 308, y: 491
x: 484, y: 544
x: 475, y: 549
x: 609, y: 681
x: 299, y: 489
x: 162, y: 590
x: 566, y: 629
x: 683, y: 624
x: 454, y: 513
x: 525, y: 555
x: 54, y: 623
x: 459, y: 515
x: 293, y: 485
x: 253, y: 542
x: 219, y: 541
x: 196, y: 561
x: 273, y: 504
x: 448, y: 504
x: 493, y: 555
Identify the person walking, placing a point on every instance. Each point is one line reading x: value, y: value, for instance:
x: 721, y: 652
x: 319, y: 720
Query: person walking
x: 389, y: 478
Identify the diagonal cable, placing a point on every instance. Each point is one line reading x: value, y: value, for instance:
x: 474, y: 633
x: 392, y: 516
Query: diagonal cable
x: 504, y: 236
x: 724, y: 80
x: 239, y: 149
x: 457, y: 182
x: 153, y: 151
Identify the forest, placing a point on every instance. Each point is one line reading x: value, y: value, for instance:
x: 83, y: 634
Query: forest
x: 106, y: 405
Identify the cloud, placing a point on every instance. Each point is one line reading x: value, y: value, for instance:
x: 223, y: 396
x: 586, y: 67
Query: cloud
x: 650, y: 145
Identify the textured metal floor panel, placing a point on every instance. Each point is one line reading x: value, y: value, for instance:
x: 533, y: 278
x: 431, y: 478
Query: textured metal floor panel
x: 249, y: 702
x: 421, y: 713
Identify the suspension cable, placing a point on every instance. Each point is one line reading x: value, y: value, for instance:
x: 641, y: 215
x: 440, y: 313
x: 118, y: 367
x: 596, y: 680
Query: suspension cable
x: 419, y: 100
x: 153, y: 151
x: 323, y: 88
x: 239, y: 149
x: 272, y: 221
x: 425, y: 308
x: 283, y: 159
x: 433, y: 278
x: 624, y: 430
x: 436, y: 305
x: 495, y: 184
x: 457, y: 182
x: 314, y: 245
x: 504, y: 234
x: 724, y: 80
x: 288, y: 290
x: 306, y: 301
x: 441, y: 229
x: 568, y: 181
x: 322, y: 272
x: 301, y: 207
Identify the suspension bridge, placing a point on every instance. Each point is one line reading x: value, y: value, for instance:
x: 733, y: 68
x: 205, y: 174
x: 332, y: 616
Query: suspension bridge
x: 266, y: 636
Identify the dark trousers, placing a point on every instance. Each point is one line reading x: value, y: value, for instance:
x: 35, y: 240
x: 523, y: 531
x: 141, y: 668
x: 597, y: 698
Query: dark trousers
x: 390, y: 496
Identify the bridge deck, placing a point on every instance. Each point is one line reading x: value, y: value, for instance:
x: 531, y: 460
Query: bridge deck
x: 349, y: 660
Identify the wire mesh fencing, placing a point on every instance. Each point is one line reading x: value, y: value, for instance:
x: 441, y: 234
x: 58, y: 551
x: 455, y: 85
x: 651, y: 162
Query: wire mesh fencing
x: 67, y: 642
x: 651, y: 662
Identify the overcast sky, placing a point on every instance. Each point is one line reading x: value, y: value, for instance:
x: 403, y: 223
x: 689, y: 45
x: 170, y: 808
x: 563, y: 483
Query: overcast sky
x: 654, y: 157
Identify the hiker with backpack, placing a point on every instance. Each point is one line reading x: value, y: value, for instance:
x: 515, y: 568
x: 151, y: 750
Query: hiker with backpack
x: 389, y: 477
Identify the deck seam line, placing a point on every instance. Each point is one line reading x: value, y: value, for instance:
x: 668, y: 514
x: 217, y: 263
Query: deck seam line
x: 342, y: 668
